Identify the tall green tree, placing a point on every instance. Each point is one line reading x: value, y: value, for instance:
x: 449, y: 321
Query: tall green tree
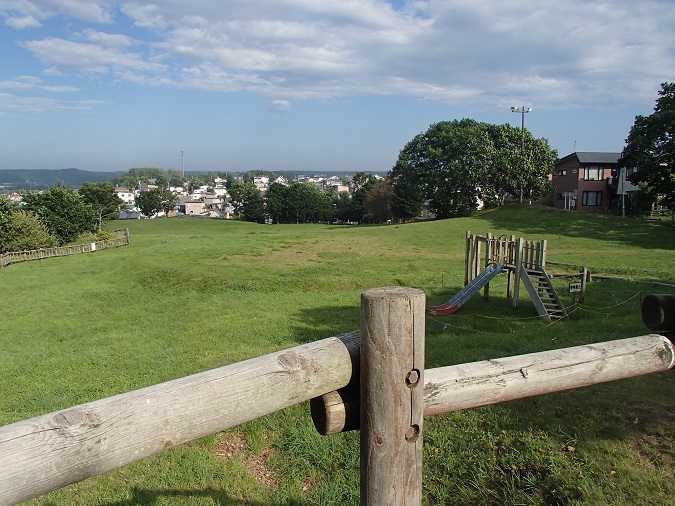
x: 247, y: 201
x: 103, y: 200
x: 379, y: 201
x: 307, y: 204
x: 276, y: 198
x: 362, y: 182
x: 253, y: 205
x: 650, y: 148
x: 455, y: 164
x: 153, y: 201
x: 62, y: 211
x: 344, y: 207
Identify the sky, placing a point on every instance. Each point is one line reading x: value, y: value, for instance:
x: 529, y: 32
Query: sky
x: 315, y: 85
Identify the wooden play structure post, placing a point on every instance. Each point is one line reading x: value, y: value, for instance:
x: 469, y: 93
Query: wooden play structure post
x: 467, y: 254
x: 488, y: 254
x: 519, y: 271
x: 392, y: 395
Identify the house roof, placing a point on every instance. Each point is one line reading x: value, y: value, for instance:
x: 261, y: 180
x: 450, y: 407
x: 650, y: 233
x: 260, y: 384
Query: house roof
x: 598, y: 157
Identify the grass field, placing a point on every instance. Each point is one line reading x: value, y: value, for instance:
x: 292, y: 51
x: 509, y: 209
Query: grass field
x: 189, y: 295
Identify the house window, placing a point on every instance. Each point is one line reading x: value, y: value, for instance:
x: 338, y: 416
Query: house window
x: 591, y: 198
x: 593, y: 173
x: 562, y: 172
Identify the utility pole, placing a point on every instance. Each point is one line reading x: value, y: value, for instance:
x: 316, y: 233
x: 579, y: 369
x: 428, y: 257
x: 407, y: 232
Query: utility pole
x: 522, y: 110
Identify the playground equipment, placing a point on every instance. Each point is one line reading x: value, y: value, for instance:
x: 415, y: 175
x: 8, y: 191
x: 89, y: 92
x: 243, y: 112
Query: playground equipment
x: 522, y: 260
x: 468, y: 291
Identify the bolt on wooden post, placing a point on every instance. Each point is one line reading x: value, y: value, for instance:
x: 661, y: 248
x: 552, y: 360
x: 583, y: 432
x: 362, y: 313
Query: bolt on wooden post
x: 392, y: 396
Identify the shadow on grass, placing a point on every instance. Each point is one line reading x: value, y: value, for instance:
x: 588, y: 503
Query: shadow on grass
x: 150, y: 497
x: 536, y: 223
x: 323, y: 322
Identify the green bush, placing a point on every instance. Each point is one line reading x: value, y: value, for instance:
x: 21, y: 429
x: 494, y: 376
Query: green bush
x: 21, y: 231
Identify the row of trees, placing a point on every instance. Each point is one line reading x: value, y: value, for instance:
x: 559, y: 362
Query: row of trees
x: 370, y: 202
x: 56, y: 216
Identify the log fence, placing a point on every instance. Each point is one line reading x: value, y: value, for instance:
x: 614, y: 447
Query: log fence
x: 373, y: 379
x: 122, y: 239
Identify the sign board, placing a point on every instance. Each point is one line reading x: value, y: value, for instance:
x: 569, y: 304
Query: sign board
x: 575, y: 287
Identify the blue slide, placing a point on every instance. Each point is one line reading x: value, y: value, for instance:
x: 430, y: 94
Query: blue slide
x: 468, y: 291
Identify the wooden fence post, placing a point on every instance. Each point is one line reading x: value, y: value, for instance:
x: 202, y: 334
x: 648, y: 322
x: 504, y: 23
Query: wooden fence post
x: 392, y: 396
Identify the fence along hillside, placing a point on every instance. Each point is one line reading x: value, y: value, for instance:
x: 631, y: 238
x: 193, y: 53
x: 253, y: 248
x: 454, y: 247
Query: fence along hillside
x: 122, y: 239
x: 374, y: 380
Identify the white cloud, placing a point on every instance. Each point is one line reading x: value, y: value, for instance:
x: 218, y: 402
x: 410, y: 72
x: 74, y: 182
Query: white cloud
x: 107, y: 39
x: 87, y: 57
x: 23, y: 22
x: 281, y: 106
x: 60, y: 89
x: 487, y: 54
x: 23, y: 83
x: 21, y: 14
x: 13, y: 103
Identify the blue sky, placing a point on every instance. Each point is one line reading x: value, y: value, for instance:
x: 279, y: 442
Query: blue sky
x: 315, y: 85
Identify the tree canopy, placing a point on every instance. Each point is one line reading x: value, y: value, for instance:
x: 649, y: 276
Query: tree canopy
x: 153, y: 201
x: 247, y: 201
x: 297, y: 203
x: 455, y: 164
x: 650, y: 149
x: 62, y: 211
x: 21, y: 230
x: 103, y: 200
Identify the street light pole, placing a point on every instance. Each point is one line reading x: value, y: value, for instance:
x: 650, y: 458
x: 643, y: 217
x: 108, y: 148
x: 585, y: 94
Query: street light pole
x: 522, y: 110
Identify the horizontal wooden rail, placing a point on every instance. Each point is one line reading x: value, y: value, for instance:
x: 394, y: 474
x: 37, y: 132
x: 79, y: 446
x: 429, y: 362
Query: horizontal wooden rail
x: 470, y: 385
x: 476, y: 384
x: 123, y: 238
x: 54, y: 450
x: 51, y: 451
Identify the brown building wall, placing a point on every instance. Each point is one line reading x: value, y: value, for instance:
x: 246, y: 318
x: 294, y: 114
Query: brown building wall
x: 568, y: 178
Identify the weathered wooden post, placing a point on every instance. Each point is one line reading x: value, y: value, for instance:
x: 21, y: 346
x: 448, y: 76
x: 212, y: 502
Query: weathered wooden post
x: 519, y: 272
x: 542, y: 262
x: 467, y: 254
x: 392, y: 396
x: 488, y: 255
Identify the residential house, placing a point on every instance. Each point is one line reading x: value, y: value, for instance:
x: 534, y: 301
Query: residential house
x: 146, y: 187
x: 190, y: 206
x: 125, y: 195
x: 585, y: 181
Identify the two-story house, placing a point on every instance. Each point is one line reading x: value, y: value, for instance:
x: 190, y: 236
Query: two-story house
x: 585, y: 181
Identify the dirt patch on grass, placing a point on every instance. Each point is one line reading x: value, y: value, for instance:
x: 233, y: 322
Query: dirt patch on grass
x: 233, y: 445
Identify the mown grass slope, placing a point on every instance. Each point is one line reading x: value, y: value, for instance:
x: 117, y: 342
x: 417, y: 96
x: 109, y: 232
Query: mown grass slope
x: 189, y: 295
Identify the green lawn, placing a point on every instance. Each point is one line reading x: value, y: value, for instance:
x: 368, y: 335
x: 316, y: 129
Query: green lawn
x: 189, y: 295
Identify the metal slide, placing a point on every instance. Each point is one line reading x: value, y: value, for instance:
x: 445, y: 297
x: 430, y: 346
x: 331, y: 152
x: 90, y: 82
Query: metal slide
x: 468, y: 291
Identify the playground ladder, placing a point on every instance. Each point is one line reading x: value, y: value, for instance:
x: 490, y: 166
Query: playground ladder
x: 543, y: 295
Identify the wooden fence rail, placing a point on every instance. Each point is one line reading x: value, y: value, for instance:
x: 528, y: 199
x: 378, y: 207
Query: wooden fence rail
x: 51, y: 451
x: 123, y: 238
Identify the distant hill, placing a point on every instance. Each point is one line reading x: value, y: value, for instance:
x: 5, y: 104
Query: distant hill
x: 44, y: 178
